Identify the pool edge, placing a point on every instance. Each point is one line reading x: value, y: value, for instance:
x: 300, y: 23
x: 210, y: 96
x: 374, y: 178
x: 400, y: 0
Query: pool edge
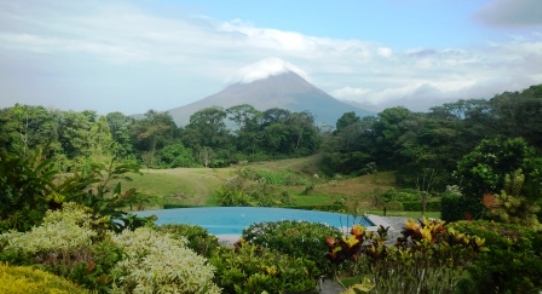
x: 377, y: 222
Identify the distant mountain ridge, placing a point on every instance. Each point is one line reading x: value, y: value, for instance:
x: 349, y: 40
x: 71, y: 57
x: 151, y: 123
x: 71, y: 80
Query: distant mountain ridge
x: 286, y: 90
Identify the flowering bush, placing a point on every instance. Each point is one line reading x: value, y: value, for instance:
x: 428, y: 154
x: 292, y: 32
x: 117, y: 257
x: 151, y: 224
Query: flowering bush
x: 157, y: 263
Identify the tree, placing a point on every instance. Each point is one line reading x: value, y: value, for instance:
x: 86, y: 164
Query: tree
x: 119, y: 126
x: 289, y: 133
x: 74, y: 132
x: 347, y: 119
x: 519, y: 114
x: 387, y: 131
x: 248, y: 121
x: 25, y: 128
x: 153, y: 132
x: 207, y: 129
x: 483, y: 170
x: 176, y: 155
x: 304, y: 132
x: 429, y: 143
x: 349, y: 150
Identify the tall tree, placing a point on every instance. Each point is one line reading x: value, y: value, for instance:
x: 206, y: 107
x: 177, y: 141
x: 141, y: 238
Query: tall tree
x: 391, y: 125
x: 208, y: 136
x: 207, y: 128
x: 349, y: 149
x: 119, y: 125
x: 519, y: 114
x: 248, y: 121
x: 347, y: 119
x: 74, y: 132
x: 153, y: 132
x: 26, y: 127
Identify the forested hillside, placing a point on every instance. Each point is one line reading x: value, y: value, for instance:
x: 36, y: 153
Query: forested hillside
x: 77, y: 139
x: 413, y: 142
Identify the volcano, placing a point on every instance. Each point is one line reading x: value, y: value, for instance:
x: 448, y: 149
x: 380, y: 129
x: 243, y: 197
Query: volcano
x: 281, y: 88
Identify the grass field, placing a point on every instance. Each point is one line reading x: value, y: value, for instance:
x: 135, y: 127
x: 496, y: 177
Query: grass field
x: 195, y: 186
x: 191, y: 186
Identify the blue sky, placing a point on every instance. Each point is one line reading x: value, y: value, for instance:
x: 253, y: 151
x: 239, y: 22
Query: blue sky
x: 132, y: 56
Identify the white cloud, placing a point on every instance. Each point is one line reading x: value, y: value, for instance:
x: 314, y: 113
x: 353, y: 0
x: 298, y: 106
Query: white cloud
x: 349, y: 93
x: 103, y: 51
x: 264, y: 68
x: 385, y: 52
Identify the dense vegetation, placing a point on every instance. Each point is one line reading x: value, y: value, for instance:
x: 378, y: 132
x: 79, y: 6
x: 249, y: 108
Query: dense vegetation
x: 65, y: 199
x: 75, y: 140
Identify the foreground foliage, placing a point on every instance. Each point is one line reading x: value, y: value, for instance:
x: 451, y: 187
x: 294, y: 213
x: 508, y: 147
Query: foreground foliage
x: 28, y: 280
x: 510, y: 206
x: 513, y: 263
x: 157, y: 263
x: 67, y: 244
x: 30, y: 184
x: 198, y: 239
x: 254, y: 269
x: 427, y: 257
x: 296, y: 238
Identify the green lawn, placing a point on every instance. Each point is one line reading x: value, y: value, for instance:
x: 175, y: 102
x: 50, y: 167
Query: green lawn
x: 195, y: 186
x: 313, y: 199
x: 411, y: 214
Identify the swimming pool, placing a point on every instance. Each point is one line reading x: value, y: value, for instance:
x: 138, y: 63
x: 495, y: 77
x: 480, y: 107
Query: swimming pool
x: 232, y: 220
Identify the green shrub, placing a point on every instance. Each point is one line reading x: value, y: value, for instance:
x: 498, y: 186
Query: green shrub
x: 454, y: 207
x: 27, y: 280
x: 198, y: 238
x: 282, y: 178
x: 296, y: 238
x: 395, y: 205
x: 513, y: 263
x: 245, y: 189
x: 157, y: 263
x: 254, y: 269
x: 406, y: 195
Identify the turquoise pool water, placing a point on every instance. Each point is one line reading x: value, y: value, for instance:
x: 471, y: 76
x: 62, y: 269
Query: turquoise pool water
x: 232, y: 220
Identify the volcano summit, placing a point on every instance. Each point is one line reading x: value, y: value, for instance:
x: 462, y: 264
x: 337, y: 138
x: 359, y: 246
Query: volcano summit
x: 268, y: 84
